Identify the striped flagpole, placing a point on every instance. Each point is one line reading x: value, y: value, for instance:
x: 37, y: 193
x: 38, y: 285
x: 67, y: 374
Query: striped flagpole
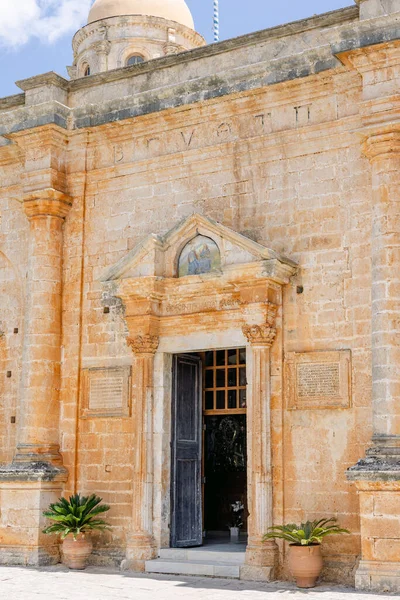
x: 216, y: 21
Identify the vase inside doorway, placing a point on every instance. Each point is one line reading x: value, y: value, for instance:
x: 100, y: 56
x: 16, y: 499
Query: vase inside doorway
x: 237, y: 509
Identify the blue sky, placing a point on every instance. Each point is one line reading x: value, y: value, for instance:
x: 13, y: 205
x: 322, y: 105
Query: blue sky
x: 35, y: 35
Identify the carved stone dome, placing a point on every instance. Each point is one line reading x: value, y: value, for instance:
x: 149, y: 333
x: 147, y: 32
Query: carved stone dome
x: 172, y: 10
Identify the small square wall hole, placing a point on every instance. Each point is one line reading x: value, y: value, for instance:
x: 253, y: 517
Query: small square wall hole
x: 13, y: 420
x: 9, y: 374
x: 16, y: 329
x: 300, y: 289
x: 106, y: 310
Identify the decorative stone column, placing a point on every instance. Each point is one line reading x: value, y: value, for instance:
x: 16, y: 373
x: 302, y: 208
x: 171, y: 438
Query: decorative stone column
x: 35, y: 477
x: 141, y: 545
x: 261, y: 558
x: 102, y: 50
x: 38, y: 434
x: 378, y: 475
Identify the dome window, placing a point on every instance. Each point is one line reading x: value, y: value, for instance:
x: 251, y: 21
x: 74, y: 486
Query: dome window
x: 86, y: 71
x: 135, y: 59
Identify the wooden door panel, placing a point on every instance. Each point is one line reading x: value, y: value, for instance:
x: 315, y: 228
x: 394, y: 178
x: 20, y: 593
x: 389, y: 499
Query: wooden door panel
x: 186, y: 509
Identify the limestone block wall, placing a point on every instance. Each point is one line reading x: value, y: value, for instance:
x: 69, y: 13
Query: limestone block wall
x: 283, y: 166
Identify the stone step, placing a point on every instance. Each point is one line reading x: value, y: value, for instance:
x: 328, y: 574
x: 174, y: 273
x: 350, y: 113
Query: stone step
x: 200, y: 568
x: 204, y: 555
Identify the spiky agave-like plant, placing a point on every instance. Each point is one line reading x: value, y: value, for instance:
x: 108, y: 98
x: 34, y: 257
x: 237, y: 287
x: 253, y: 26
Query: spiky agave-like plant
x: 78, y: 515
x: 306, y: 534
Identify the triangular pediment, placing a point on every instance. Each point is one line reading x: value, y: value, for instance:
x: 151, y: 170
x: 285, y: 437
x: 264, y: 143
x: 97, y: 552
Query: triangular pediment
x: 159, y: 255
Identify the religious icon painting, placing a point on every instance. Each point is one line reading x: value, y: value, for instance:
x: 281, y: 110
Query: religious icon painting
x: 200, y: 255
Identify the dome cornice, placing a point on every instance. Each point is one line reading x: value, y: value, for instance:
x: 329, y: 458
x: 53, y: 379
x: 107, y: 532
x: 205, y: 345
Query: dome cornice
x: 131, y: 20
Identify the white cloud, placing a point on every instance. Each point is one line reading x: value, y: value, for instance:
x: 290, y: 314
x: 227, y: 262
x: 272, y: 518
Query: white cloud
x: 47, y: 20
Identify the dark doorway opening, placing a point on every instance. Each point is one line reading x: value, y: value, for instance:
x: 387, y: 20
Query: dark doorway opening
x: 224, y: 440
x: 209, y: 446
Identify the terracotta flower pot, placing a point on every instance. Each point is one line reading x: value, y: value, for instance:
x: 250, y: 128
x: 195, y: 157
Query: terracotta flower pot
x: 305, y: 564
x: 76, y: 552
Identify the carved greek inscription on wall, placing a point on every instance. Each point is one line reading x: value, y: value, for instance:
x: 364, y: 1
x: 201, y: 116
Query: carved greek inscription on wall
x: 106, y: 392
x: 318, y: 380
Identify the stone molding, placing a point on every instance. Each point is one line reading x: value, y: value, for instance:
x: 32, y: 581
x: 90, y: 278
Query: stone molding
x: 33, y: 471
x: 144, y: 344
x: 47, y: 203
x: 144, y: 21
x: 381, y: 464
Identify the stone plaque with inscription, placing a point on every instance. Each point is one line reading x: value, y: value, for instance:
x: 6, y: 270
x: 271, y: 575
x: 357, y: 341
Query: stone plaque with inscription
x: 318, y: 380
x: 106, y: 392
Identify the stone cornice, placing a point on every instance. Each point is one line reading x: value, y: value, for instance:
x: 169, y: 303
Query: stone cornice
x: 45, y: 79
x: 259, y: 74
x: 326, y: 20
x: 47, y: 202
x: 33, y: 471
x: 368, y: 58
x: 333, y: 18
x: 145, y: 22
x: 144, y: 344
x: 10, y: 102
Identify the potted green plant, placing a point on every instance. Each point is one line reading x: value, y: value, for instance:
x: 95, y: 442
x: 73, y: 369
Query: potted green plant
x: 74, y: 520
x: 305, y: 558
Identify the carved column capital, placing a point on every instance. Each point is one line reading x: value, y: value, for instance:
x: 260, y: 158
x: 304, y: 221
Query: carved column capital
x: 381, y: 145
x: 47, y: 203
x: 264, y: 334
x: 260, y: 335
x: 102, y: 47
x: 143, y: 344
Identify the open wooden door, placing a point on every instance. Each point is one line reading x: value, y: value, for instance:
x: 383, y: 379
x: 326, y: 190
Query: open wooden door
x: 186, y: 494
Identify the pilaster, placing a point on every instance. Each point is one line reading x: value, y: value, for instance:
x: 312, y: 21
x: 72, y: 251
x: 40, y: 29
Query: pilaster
x: 141, y: 545
x: 36, y: 476
x: 377, y: 476
x: 261, y: 558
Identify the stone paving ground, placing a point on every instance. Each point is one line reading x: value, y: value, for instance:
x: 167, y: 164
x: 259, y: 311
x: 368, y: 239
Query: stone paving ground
x: 58, y: 583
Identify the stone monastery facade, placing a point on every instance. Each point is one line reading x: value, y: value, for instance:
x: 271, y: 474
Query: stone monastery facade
x: 234, y: 202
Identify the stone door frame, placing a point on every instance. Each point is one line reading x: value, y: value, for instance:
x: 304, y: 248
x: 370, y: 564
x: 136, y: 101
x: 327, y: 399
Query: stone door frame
x: 239, y: 305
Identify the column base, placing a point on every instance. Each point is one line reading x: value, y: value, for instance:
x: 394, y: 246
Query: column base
x: 253, y: 573
x: 140, y: 548
x: 261, y: 562
x: 377, y: 478
x: 29, y: 556
x: 382, y: 577
x: 26, y: 490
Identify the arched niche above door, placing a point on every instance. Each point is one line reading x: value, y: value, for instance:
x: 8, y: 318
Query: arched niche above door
x: 199, y: 256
